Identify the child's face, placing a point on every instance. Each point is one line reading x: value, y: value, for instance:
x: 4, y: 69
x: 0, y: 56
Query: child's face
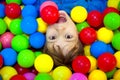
x: 62, y: 36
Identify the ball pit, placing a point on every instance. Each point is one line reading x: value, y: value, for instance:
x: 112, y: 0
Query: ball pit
x: 22, y: 39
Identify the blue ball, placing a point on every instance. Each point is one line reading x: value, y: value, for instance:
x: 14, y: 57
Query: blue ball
x: 110, y: 49
x: 28, y: 1
x: 9, y: 56
x: 2, y: 11
x: 29, y: 25
x: 29, y: 10
x: 37, y: 40
x: 98, y: 48
x: 0, y: 77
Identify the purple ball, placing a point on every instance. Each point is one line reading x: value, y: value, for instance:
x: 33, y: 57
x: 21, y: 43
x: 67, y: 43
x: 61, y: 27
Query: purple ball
x: 78, y: 76
x: 29, y: 76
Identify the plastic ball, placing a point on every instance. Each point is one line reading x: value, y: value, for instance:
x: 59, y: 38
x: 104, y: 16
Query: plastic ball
x: 49, y: 14
x: 116, y: 75
x: 9, y: 55
x: 0, y: 45
x: 88, y: 35
x: 87, y: 50
x: 93, y: 63
x: 37, y: 40
x: 78, y: 76
x: 7, y: 21
x: 43, y: 63
x: 0, y: 77
x: 15, y: 27
x: 106, y: 62
x: 98, y: 48
x: 110, y: 49
x: 94, y: 18
x: 7, y: 72
x: 1, y: 61
x: 29, y: 76
x: 81, y: 64
x: 97, y: 75
x: 18, y: 77
x: 61, y: 73
x: 20, y: 69
x: 26, y: 58
x: 113, y: 3
x: 29, y: 25
x: 2, y: 11
x: 111, y: 73
x: 117, y: 56
x: 28, y: 2
x: 112, y: 21
x: 43, y: 76
x: 6, y: 39
x: 115, y: 41
x: 105, y: 35
x: 48, y: 3
x: 81, y: 26
x: 13, y: 1
x: 22, y: 44
x: 29, y: 10
x: 3, y: 26
x: 12, y: 10
x: 78, y: 14
x: 37, y: 53
x: 42, y: 26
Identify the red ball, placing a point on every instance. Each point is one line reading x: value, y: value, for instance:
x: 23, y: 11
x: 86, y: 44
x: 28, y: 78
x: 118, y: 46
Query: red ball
x: 1, y: 61
x: 95, y: 18
x: 110, y: 9
x: 18, y: 77
x: 12, y: 10
x: 21, y: 70
x: 49, y: 14
x: 106, y: 62
x: 81, y: 64
x: 88, y: 35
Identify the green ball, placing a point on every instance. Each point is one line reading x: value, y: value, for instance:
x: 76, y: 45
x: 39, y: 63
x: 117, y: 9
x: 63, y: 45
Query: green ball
x: 15, y: 26
x: 112, y: 21
x: 82, y: 25
x: 26, y: 58
x: 3, y: 26
x: 13, y: 1
x: 20, y: 42
x: 116, y: 41
x: 37, y: 53
x: 111, y: 73
x: 0, y: 45
x: 43, y: 76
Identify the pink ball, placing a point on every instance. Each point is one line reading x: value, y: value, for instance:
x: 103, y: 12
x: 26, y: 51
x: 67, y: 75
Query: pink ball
x: 29, y: 76
x: 48, y: 3
x: 78, y: 76
x: 6, y: 39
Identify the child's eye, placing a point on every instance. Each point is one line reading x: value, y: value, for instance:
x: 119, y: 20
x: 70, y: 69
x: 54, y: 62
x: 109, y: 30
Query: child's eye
x: 52, y: 37
x: 68, y: 36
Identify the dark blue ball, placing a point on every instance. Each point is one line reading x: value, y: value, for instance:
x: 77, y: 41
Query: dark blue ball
x: 28, y: 1
x: 29, y: 25
x: 9, y: 56
x: 2, y: 11
x: 37, y: 40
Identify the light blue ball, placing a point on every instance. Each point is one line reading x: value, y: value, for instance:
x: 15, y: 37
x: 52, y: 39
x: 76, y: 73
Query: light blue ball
x: 29, y: 10
x: 29, y: 25
x: 98, y: 48
x: 28, y: 1
x: 9, y: 56
x: 2, y: 11
x: 37, y: 40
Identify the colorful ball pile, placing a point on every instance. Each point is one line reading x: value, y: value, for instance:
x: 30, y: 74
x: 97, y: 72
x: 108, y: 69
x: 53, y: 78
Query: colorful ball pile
x: 22, y: 38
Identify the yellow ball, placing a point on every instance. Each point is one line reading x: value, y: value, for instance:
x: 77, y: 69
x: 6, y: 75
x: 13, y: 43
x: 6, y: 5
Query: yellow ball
x: 87, y: 50
x: 8, y: 21
x: 61, y: 73
x: 105, y: 35
x: 78, y: 14
x: 93, y: 63
x: 42, y: 26
x: 97, y: 75
x: 113, y: 3
x: 7, y: 72
x: 43, y: 63
x: 116, y: 75
x: 117, y: 56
